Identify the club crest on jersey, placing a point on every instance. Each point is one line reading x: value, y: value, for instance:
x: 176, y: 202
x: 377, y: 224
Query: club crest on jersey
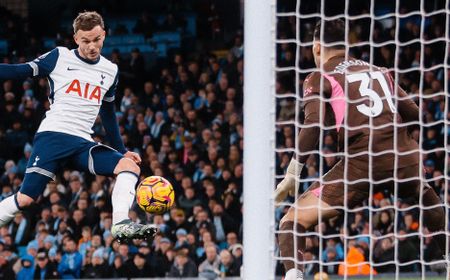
x: 36, y: 160
x: 87, y: 92
x: 103, y: 77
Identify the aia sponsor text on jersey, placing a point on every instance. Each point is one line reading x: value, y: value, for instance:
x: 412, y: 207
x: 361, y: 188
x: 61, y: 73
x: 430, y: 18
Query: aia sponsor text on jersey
x: 87, y: 91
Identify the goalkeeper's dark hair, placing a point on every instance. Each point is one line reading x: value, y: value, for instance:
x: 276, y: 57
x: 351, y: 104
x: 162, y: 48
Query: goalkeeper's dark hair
x: 333, y: 33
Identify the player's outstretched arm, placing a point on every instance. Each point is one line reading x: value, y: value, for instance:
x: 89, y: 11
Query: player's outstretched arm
x: 41, y: 66
x: 307, y: 141
x: 15, y: 71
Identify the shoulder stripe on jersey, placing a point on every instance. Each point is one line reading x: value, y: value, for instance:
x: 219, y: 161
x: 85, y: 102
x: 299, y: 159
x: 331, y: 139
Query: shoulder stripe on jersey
x: 34, y: 67
x: 46, y: 63
x: 51, y: 96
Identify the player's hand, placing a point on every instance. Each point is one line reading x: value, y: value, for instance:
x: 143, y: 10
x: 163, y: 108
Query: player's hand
x: 133, y: 156
x: 289, y: 184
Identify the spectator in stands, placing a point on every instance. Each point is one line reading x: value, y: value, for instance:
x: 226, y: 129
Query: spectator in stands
x: 384, y: 252
x: 407, y: 251
x: 162, y: 258
x: 145, y: 25
x: 334, y: 249
x: 139, y: 268
x: 6, y: 271
x: 27, y: 270
x: 71, y: 262
x: 20, y: 229
x: 227, y: 266
x: 44, y: 269
x: 383, y: 223
x: 312, y: 267
x: 183, y: 266
x: 209, y: 268
x: 330, y: 265
x: 119, y: 268
x: 188, y: 200
x: 97, y: 268
x: 237, y: 251
x: 410, y: 223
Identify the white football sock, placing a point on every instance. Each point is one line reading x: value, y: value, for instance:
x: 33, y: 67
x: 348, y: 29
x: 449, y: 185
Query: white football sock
x: 122, y: 196
x: 8, y: 209
x: 294, y: 274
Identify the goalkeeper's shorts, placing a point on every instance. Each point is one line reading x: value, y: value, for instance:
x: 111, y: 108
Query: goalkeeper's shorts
x: 350, y: 186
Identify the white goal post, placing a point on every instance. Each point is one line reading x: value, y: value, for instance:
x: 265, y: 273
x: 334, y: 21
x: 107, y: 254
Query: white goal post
x: 259, y: 139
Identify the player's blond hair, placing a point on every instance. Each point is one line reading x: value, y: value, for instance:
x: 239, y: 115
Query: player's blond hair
x: 87, y: 20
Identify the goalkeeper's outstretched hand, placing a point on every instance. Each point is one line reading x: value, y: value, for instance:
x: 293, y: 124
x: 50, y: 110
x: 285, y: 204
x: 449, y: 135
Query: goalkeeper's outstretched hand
x: 289, y: 184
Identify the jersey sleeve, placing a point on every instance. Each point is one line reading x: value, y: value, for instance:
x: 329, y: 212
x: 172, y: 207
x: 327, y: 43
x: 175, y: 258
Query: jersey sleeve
x: 110, y: 95
x: 15, y: 71
x: 311, y: 85
x: 45, y: 64
x: 408, y: 109
x: 312, y: 102
x: 108, y: 116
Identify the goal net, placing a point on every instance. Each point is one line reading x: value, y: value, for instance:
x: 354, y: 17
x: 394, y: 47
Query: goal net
x: 385, y: 234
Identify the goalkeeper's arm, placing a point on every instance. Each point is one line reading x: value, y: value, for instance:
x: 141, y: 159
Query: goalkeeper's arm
x: 308, y: 138
x: 407, y: 108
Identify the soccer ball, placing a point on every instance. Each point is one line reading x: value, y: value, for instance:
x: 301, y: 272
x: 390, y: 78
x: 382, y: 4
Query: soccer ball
x: 321, y: 276
x: 155, y: 195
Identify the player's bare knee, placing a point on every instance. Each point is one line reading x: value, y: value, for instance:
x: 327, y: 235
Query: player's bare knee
x: 286, y: 219
x: 126, y: 164
x: 290, y: 218
x: 24, y: 200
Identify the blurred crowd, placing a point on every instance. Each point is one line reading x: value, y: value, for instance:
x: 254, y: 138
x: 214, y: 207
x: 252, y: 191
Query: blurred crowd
x: 418, y: 66
x: 185, y: 119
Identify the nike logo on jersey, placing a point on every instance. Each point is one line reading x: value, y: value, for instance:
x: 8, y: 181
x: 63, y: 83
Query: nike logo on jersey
x: 87, y: 92
x: 72, y: 69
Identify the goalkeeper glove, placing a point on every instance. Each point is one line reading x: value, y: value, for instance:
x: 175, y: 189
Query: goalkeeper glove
x: 289, y: 185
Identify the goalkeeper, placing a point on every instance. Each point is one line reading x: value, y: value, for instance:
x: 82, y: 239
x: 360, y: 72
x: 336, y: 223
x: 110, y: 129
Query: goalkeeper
x: 365, y: 119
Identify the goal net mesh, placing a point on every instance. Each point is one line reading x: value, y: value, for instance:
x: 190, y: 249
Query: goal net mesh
x: 385, y: 234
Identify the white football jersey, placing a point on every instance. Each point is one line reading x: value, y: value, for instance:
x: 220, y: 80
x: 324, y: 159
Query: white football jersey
x: 77, y: 89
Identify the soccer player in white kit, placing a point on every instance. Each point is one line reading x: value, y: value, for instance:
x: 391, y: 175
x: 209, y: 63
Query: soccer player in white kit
x: 82, y: 84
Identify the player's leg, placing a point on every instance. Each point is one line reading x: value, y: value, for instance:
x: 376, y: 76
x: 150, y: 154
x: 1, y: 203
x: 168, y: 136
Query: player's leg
x: 433, y: 214
x: 33, y: 186
x: 122, y: 199
x: 300, y: 217
x: 319, y: 201
x: 102, y: 160
x: 124, y: 192
x: 48, y: 150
